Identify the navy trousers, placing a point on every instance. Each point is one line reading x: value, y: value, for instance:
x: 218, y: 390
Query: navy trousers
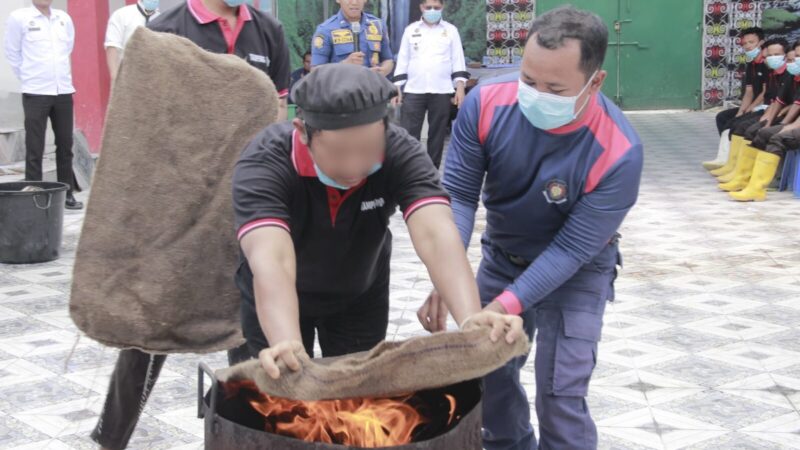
x: 567, y: 327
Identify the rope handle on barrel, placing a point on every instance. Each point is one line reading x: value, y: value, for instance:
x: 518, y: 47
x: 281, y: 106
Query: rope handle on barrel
x: 49, y: 200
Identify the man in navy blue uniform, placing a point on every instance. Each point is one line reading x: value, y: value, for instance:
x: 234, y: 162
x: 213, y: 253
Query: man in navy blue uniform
x: 355, y: 37
x: 562, y: 167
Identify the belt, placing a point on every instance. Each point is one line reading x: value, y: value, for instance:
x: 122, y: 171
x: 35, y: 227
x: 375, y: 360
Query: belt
x: 520, y: 261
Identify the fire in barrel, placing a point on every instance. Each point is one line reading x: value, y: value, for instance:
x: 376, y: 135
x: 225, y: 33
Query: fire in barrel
x: 359, y: 422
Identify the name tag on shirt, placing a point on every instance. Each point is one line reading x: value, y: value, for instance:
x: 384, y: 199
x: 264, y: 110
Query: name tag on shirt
x: 34, y: 29
x: 259, y: 59
x: 342, y: 37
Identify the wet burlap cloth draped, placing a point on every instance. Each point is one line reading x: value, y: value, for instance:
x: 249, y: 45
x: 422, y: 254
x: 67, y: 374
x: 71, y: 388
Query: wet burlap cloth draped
x: 390, y: 368
x: 155, y: 263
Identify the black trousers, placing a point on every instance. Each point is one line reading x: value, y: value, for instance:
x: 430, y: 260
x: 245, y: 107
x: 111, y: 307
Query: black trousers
x: 59, y: 109
x: 724, y: 119
x: 133, y: 379
x: 437, y: 106
x: 357, y: 327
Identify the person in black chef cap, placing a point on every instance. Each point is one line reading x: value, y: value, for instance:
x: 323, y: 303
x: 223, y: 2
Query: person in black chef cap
x: 312, y: 201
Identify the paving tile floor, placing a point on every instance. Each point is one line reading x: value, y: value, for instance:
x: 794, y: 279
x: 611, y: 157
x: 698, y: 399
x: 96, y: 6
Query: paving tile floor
x: 701, y: 350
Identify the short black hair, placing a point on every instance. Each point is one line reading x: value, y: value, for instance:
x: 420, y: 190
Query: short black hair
x: 422, y: 2
x: 778, y: 41
x: 758, y: 31
x: 567, y: 22
x: 310, y: 131
x: 796, y: 44
x: 307, y: 53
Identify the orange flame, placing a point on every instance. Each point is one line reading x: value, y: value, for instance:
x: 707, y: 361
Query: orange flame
x: 362, y: 422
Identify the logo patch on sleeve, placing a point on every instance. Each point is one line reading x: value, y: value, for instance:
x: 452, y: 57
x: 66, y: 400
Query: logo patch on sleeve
x: 555, y: 192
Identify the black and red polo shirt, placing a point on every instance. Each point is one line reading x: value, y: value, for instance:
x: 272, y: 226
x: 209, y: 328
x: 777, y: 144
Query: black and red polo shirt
x: 776, y: 82
x: 790, y: 90
x: 258, y: 38
x: 341, y: 238
x: 755, y: 75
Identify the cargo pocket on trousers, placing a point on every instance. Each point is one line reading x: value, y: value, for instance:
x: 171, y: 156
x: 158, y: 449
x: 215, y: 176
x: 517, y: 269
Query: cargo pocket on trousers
x: 576, y: 353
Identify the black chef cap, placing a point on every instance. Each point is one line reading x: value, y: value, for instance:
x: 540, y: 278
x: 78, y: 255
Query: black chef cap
x: 342, y: 95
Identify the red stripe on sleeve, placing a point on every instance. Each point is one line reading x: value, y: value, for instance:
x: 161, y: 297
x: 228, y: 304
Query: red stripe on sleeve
x: 424, y: 202
x: 250, y: 226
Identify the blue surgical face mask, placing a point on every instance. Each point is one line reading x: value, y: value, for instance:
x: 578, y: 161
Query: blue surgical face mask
x: 235, y: 3
x: 752, y: 54
x: 776, y: 61
x: 328, y: 181
x: 793, y: 68
x: 549, y: 111
x: 432, y: 15
x: 150, y: 5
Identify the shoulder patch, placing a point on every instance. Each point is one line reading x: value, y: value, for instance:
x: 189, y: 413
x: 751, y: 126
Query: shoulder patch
x: 319, y: 41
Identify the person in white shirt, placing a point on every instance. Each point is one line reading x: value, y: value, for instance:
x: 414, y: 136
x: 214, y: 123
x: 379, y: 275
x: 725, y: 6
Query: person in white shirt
x: 120, y: 28
x: 430, y: 69
x: 38, y: 43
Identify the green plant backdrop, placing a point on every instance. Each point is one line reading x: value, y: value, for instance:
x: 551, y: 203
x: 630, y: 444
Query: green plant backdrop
x: 469, y: 17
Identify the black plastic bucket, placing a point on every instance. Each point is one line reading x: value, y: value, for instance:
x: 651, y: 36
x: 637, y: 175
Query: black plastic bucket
x: 31, y: 221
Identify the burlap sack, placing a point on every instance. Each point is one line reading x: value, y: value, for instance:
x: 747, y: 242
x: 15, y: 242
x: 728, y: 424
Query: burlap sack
x: 155, y: 263
x: 391, y: 368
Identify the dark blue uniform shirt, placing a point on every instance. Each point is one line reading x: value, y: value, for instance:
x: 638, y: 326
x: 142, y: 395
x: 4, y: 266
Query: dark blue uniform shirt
x: 334, y: 41
x: 555, y: 198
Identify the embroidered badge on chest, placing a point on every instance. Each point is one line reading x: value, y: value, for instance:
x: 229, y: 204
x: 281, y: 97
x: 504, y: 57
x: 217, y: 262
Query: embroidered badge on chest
x: 555, y: 192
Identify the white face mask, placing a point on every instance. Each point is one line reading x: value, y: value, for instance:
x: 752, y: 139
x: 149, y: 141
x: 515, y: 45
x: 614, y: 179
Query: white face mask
x: 549, y: 111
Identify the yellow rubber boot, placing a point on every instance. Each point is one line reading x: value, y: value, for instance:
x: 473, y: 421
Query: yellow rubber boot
x: 744, y: 149
x: 763, y: 173
x: 741, y: 174
x: 736, y: 146
x: 722, y: 152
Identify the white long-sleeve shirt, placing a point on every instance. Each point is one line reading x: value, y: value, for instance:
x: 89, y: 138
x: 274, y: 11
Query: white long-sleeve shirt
x: 38, y: 50
x: 124, y: 22
x: 431, y: 59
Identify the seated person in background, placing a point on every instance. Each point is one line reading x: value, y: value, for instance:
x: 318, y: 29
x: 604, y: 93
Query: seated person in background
x: 744, y: 128
x: 298, y: 74
x: 751, y: 40
x: 755, y: 72
x: 771, y: 143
